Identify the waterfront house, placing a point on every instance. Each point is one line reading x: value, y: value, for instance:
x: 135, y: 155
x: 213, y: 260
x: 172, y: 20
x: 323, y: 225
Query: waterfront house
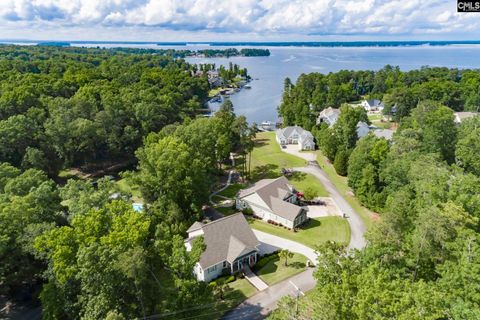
x: 328, y: 116
x: 275, y: 200
x: 230, y: 243
x: 372, y: 105
x: 296, y: 135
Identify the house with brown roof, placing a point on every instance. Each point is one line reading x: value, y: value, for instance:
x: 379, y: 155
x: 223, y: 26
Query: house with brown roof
x: 230, y: 243
x: 273, y: 199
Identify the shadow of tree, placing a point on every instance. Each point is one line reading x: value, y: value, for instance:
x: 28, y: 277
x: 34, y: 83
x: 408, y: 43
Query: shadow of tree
x: 298, y: 176
x: 261, y: 142
x: 312, y: 223
x: 297, y: 265
x: 267, y: 171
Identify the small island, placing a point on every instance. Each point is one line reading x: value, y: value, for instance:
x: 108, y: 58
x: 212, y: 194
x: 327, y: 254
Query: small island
x: 218, y: 53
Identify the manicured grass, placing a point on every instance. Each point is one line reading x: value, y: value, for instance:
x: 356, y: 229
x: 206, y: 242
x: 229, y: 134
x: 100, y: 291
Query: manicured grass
x: 383, y: 125
x: 275, y: 270
x: 124, y: 186
x: 231, y: 190
x: 312, y: 233
x: 301, y: 181
x: 341, y: 183
x: 268, y: 159
x: 241, y: 289
x: 214, y: 92
x: 373, y: 117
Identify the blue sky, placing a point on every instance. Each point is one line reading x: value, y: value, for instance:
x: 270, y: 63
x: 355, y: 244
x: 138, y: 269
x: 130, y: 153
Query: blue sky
x: 236, y: 20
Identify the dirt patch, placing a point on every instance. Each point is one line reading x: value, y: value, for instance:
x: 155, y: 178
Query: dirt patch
x: 375, y: 216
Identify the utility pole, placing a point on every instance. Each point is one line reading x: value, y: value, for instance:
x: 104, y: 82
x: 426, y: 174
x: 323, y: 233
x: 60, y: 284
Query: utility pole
x: 296, y: 304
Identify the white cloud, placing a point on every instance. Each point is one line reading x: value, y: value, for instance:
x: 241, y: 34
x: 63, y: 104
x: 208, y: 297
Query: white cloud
x: 264, y: 17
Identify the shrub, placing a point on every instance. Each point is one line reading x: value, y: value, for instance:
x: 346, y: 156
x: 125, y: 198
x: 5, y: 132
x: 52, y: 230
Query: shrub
x: 247, y: 211
x: 266, y: 259
x: 310, y: 193
x: 230, y: 279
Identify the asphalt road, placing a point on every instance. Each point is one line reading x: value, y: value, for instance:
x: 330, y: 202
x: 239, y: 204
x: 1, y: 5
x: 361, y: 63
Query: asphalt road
x: 261, y: 304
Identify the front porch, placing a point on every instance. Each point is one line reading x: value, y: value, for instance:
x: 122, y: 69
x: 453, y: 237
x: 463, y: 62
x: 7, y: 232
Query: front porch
x: 246, y: 260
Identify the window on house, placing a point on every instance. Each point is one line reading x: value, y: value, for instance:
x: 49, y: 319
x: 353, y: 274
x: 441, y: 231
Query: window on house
x: 224, y: 264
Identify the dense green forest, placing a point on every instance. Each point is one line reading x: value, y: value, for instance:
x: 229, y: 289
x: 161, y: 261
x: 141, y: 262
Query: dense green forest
x: 73, y: 106
x: 313, y: 92
x: 422, y: 260
x: 79, y: 245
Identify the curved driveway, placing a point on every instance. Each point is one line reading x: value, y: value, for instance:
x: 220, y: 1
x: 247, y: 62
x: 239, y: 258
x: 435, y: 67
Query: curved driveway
x: 357, y: 227
x: 276, y: 242
x: 259, y: 305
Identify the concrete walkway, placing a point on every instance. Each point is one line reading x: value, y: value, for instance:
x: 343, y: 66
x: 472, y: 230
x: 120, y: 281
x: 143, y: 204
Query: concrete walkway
x: 229, y: 180
x: 262, y: 303
x: 275, y: 242
x: 254, y: 279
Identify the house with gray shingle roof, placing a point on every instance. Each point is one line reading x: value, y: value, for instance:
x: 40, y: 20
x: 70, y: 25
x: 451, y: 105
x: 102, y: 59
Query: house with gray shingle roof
x: 372, y: 105
x: 230, y: 243
x: 275, y: 200
x: 296, y: 135
x: 329, y: 116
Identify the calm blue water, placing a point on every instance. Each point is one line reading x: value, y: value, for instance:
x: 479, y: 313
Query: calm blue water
x: 260, y: 103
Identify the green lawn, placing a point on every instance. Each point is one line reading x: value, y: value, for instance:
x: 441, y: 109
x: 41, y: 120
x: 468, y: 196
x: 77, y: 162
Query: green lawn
x: 312, y: 233
x: 383, y: 125
x: 125, y: 187
x: 231, y: 190
x: 241, y: 289
x: 275, y: 271
x: 302, y: 181
x: 341, y: 183
x: 268, y: 159
x: 373, y: 117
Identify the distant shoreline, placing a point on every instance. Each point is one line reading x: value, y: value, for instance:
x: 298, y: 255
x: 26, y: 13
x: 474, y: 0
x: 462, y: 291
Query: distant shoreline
x: 263, y: 43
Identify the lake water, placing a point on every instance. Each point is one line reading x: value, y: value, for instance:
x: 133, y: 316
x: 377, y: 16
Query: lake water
x: 261, y: 101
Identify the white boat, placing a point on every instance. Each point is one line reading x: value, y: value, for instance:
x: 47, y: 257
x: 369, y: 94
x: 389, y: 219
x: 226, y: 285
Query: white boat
x: 266, y: 126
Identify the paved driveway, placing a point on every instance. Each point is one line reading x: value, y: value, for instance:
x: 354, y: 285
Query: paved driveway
x: 357, y: 227
x: 329, y: 208
x: 272, y: 243
x: 294, y: 150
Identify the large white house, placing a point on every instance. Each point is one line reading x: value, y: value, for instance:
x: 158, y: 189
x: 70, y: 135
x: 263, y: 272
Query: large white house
x: 273, y: 199
x: 296, y: 135
x: 373, y: 105
x: 328, y: 116
x: 230, y: 243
